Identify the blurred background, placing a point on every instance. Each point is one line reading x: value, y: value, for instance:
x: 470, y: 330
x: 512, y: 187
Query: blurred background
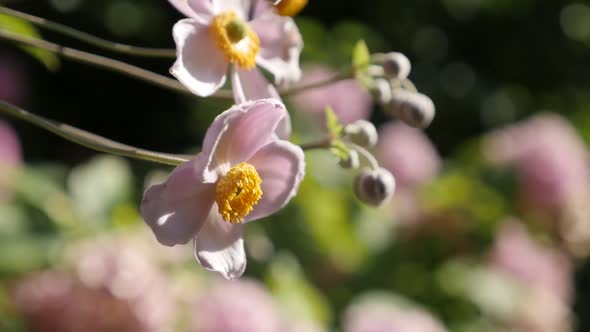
x: 489, y: 229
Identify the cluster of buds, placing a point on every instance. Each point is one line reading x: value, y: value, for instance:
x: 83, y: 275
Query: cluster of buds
x: 396, y: 93
x: 373, y: 185
x: 391, y: 88
x: 387, y: 80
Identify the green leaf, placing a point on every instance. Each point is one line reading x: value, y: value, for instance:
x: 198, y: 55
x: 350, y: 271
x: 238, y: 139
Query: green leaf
x: 21, y: 27
x: 333, y: 123
x: 361, y: 56
x: 340, y: 150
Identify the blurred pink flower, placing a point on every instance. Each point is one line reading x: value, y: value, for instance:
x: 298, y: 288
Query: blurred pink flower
x: 236, y: 306
x: 247, y: 170
x: 347, y: 98
x: 241, y: 33
x: 550, y: 158
x: 10, y: 158
x: 296, y: 324
x: 540, y: 311
x: 54, y: 301
x: 379, y: 315
x: 408, y: 154
x: 516, y: 254
x: 13, y: 80
x: 129, y: 275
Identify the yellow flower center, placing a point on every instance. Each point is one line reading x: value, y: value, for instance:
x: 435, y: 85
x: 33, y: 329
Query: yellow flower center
x: 236, y: 40
x: 290, y: 7
x: 237, y: 192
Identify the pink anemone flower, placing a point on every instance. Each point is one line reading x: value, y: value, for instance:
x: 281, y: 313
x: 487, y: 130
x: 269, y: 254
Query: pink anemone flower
x: 250, y: 308
x: 242, y: 33
x: 245, y: 171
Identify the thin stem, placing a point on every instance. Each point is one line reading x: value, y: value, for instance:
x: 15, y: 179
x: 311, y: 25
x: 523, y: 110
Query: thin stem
x: 90, y: 39
x: 105, y: 63
x: 90, y: 140
x: 122, y: 67
x: 335, y: 78
x: 323, y: 144
x: 366, y: 154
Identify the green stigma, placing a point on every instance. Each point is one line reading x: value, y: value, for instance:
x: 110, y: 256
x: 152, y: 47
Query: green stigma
x: 236, y: 30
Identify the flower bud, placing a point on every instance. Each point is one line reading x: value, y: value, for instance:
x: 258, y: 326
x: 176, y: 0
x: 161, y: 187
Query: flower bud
x: 395, y: 65
x: 375, y: 71
x: 374, y: 187
x: 362, y: 132
x: 352, y: 162
x: 414, y: 109
x: 381, y: 91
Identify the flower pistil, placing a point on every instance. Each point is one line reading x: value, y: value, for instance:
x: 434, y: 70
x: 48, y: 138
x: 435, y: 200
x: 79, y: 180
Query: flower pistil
x: 237, y: 192
x: 236, y: 39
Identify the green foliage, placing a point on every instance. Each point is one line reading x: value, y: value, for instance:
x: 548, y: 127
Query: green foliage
x: 327, y: 217
x: 334, y: 126
x: 361, y: 56
x: 300, y: 298
x: 21, y: 27
x: 99, y: 186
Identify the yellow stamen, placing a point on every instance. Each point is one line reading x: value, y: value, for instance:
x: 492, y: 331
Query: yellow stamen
x: 237, y: 192
x: 236, y: 40
x: 290, y: 7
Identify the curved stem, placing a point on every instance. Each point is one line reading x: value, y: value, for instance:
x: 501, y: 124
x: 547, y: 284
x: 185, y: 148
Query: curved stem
x: 323, y: 144
x: 124, y: 68
x: 366, y: 154
x: 90, y: 140
x: 105, y: 63
x: 134, y: 71
x: 90, y: 39
x: 300, y: 88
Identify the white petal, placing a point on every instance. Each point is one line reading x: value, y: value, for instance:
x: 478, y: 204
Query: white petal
x: 281, y: 166
x: 251, y: 85
x: 219, y: 246
x: 201, y: 10
x: 198, y: 9
x: 200, y: 65
x: 240, y: 7
x: 281, y: 45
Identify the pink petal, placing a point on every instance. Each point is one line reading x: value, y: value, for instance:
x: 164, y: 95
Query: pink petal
x: 251, y: 85
x: 280, y: 46
x: 186, y: 177
x: 197, y: 9
x: 245, y: 129
x: 261, y: 8
x: 200, y: 65
x: 10, y: 159
x: 283, y: 129
x: 240, y: 7
x: 176, y: 209
x: 182, y: 6
x: 201, y: 10
x: 219, y: 246
x: 10, y: 148
x: 281, y: 166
